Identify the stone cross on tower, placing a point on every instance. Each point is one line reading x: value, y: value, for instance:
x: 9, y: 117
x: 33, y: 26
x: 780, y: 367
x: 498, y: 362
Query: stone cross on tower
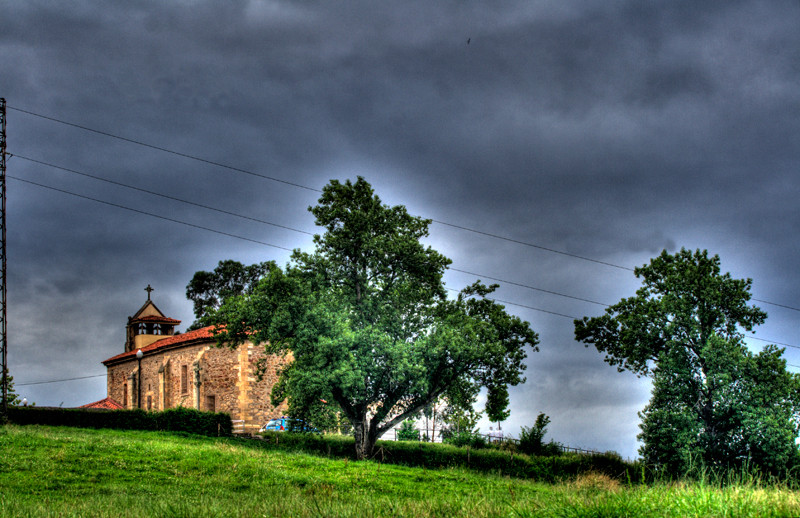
x: 148, y: 289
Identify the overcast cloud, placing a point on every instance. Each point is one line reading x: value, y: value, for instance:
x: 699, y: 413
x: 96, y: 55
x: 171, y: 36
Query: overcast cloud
x: 609, y: 131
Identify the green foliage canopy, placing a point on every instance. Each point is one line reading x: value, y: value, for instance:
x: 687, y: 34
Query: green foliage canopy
x: 683, y: 301
x: 408, y: 431
x: 531, y: 439
x: 745, y: 411
x: 459, y: 414
x: 366, y: 319
x: 207, y: 290
x: 497, y: 404
x: 714, y: 403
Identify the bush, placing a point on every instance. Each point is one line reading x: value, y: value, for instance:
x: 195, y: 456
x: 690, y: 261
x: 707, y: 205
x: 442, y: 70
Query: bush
x: 552, y: 449
x: 531, y: 440
x: 486, y: 460
x: 508, y: 446
x: 466, y: 439
x: 182, y: 419
x: 407, y: 431
x: 175, y: 419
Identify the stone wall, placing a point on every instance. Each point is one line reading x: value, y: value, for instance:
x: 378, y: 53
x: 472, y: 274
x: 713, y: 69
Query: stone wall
x: 227, y: 380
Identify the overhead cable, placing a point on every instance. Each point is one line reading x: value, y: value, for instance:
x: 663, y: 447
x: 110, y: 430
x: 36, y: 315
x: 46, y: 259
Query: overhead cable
x: 290, y: 250
x: 165, y: 150
x: 57, y: 381
x: 150, y: 214
x: 280, y: 226
x: 528, y: 287
x: 162, y: 195
x: 306, y: 187
x: 293, y: 184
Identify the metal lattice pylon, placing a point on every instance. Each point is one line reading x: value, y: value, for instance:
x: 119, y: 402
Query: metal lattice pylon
x: 3, y: 314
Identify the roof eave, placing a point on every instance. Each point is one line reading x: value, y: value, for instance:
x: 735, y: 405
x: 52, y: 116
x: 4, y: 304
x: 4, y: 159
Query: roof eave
x: 115, y: 360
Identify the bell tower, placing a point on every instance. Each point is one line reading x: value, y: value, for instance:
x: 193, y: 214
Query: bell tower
x: 148, y: 325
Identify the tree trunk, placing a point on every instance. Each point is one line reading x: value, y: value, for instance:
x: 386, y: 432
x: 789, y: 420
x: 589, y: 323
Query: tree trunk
x: 365, y: 439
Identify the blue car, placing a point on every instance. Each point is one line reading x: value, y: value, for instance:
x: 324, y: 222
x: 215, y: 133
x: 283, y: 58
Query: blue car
x: 286, y: 424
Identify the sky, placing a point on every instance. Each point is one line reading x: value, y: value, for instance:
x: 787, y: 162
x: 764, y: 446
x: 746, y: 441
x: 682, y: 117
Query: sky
x: 571, y: 141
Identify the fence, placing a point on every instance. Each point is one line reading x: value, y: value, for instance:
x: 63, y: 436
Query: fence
x: 421, y: 435
x: 493, y: 438
x: 566, y: 449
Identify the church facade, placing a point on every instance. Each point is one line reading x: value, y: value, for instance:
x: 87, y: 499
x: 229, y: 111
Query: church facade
x: 189, y: 370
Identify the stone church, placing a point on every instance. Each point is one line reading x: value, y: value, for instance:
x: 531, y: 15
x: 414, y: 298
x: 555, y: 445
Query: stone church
x: 189, y: 370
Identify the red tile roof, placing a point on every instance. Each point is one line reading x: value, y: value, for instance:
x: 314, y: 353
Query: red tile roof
x: 205, y: 334
x: 104, y: 404
x: 156, y: 318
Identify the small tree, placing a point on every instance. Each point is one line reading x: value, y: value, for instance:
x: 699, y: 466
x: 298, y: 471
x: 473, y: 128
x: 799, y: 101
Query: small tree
x: 432, y: 414
x: 407, y: 431
x: 460, y: 419
x: 13, y: 398
x: 531, y: 439
x: 497, y: 404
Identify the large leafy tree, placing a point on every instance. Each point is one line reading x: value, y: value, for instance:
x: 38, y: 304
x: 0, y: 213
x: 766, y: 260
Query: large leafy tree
x: 207, y: 290
x: 367, y: 322
x: 713, y: 401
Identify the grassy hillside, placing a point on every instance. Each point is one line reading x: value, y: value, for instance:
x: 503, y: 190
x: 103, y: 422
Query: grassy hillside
x: 75, y: 472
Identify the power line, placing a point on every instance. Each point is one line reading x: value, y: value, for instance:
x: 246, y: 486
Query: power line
x: 300, y: 186
x: 288, y: 249
x: 521, y: 305
x: 529, y: 287
x: 162, y: 195
x: 525, y: 243
x: 773, y: 342
x: 776, y: 304
x: 301, y: 231
x: 165, y: 150
x: 501, y: 301
x: 173, y: 198
x: 578, y: 318
x: 151, y: 214
x: 57, y: 381
x: 245, y: 171
x: 276, y: 246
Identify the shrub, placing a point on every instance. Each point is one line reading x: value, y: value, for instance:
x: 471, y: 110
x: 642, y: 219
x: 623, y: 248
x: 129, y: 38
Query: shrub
x: 176, y: 419
x: 182, y: 419
x: 407, y: 431
x: 552, y: 449
x: 487, y: 460
x: 509, y: 446
x: 531, y: 440
x: 466, y: 439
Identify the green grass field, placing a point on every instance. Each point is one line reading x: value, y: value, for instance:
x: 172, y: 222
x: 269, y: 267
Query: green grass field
x: 47, y: 471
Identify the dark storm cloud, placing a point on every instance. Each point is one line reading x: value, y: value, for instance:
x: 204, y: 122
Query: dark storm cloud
x: 609, y: 131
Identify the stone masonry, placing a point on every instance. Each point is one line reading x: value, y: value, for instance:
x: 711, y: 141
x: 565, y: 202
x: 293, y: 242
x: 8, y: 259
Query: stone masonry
x: 189, y: 370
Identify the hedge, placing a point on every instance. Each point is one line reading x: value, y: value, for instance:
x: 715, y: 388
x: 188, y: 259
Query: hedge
x: 550, y: 469
x: 175, y: 419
